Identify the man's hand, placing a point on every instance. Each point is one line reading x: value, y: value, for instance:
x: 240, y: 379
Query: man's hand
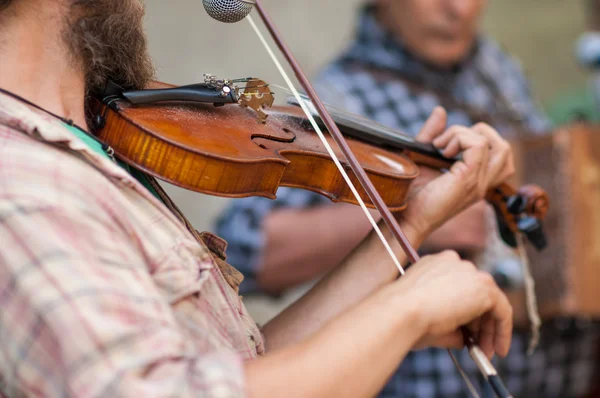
x: 486, y: 162
x: 448, y: 293
x: 425, y: 307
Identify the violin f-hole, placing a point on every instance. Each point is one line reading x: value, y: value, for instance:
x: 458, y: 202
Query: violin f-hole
x: 291, y: 137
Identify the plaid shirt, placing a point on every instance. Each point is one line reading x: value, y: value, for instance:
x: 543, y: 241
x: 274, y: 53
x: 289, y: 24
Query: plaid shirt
x: 491, y: 82
x: 103, y: 290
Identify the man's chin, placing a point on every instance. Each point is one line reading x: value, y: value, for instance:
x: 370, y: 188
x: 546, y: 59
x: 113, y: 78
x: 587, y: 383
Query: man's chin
x: 447, y: 56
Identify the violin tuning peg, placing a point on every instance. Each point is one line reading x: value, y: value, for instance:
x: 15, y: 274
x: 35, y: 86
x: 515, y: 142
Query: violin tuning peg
x: 532, y: 228
x: 505, y: 231
x: 516, y: 204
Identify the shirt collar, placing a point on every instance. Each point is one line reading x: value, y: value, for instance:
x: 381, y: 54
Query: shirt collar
x: 375, y: 46
x: 21, y: 117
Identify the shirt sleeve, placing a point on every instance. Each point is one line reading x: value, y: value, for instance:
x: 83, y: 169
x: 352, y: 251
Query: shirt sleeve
x: 81, y: 315
x: 241, y: 225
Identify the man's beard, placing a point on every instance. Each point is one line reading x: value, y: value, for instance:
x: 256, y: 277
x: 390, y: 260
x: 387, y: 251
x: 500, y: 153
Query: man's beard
x: 106, y: 38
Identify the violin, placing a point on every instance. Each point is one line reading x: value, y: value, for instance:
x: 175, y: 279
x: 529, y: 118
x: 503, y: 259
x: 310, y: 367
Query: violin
x: 188, y: 137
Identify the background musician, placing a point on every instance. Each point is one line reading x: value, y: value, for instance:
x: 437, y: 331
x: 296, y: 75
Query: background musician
x: 408, y: 57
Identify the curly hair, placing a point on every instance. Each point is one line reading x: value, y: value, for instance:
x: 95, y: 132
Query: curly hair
x: 5, y: 3
x: 108, y: 39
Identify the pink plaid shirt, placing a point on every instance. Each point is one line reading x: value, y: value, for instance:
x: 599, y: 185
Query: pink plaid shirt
x: 103, y: 290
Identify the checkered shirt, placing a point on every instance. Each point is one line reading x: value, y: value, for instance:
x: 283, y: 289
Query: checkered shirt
x: 564, y: 365
x: 103, y: 290
x: 489, y: 81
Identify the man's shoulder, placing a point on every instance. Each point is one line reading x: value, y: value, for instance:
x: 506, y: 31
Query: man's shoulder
x: 494, y: 58
x: 46, y: 173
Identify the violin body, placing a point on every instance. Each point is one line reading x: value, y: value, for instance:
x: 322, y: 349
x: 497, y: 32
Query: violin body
x: 226, y: 151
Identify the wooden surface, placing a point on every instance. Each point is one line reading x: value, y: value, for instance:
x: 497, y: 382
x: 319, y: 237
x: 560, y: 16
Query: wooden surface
x: 567, y: 165
x: 582, y: 148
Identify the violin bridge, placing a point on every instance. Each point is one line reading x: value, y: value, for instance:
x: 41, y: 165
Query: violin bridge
x: 256, y: 96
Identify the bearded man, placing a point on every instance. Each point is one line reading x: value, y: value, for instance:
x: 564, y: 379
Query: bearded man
x: 104, y: 292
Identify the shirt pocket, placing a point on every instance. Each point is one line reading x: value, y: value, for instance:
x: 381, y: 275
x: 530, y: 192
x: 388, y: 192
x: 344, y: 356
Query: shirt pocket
x: 182, y: 269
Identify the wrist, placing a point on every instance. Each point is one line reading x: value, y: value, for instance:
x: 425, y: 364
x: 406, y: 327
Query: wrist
x: 419, y: 224
x: 415, y: 234
x: 411, y: 324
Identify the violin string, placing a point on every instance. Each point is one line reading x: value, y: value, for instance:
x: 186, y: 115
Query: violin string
x: 360, y: 120
x: 257, y: 86
x: 327, y: 146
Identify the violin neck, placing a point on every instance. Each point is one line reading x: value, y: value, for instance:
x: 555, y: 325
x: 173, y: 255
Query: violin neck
x: 378, y: 134
x: 367, y: 130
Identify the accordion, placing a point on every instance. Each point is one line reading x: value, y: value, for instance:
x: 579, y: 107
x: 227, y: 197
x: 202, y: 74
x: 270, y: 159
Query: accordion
x: 567, y: 165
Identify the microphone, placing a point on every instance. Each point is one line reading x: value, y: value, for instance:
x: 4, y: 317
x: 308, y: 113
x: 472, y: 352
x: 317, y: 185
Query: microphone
x: 228, y: 11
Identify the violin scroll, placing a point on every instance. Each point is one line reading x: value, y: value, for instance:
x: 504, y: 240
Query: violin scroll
x: 536, y: 200
x: 520, y: 211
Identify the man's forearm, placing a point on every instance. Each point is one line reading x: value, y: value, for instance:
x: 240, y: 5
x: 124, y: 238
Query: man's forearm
x: 342, y: 359
x: 302, y: 244
x: 364, y: 271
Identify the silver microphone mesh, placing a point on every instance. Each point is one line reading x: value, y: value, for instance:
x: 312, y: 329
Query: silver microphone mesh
x: 228, y: 11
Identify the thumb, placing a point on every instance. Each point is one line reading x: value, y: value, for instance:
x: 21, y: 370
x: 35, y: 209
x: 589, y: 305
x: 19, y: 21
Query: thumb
x: 434, y: 126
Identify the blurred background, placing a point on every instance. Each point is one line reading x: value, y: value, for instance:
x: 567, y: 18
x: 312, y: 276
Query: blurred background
x: 185, y: 43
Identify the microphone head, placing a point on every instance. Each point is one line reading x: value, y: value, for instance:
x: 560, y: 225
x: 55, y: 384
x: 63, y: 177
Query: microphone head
x: 228, y: 11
